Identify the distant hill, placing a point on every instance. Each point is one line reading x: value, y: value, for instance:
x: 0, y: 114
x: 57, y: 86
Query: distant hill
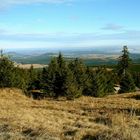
x: 31, y: 59
x: 89, y: 58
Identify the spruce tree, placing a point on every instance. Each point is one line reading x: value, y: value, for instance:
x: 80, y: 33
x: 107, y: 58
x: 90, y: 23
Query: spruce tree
x: 56, y: 77
x: 11, y: 75
x: 110, y: 82
x: 79, y: 72
x: 6, y: 72
x: 53, y: 77
x: 127, y: 84
x: 34, y: 79
x: 126, y: 80
x: 20, y: 79
x: 59, y: 79
x: 99, y: 83
x: 124, y: 62
x: 88, y: 87
x: 72, y: 88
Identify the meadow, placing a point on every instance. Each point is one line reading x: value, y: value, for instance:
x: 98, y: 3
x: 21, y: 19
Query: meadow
x: 114, y: 117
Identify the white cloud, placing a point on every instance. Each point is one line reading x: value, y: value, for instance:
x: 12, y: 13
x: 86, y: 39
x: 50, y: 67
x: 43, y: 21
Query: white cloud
x: 3, y: 31
x: 128, y: 35
x: 112, y: 26
x: 7, y: 3
x: 61, y: 39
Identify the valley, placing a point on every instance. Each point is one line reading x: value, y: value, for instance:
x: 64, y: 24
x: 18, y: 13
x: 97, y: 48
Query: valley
x: 90, y: 58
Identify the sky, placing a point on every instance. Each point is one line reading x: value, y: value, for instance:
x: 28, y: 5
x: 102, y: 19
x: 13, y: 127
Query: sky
x: 69, y: 23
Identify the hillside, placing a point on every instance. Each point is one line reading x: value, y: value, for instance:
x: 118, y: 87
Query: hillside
x: 116, y: 117
x: 89, y: 58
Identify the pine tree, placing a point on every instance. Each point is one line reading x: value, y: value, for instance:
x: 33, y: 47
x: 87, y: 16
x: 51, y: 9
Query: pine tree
x: 124, y: 62
x: 56, y: 77
x: 20, y: 79
x: 89, y: 82
x: 44, y: 78
x: 6, y: 72
x: 79, y: 72
x: 99, y: 83
x: 34, y: 79
x: 50, y: 78
x: 59, y: 79
x: 126, y: 80
x: 110, y: 82
x: 12, y: 76
x: 127, y: 84
x: 72, y: 88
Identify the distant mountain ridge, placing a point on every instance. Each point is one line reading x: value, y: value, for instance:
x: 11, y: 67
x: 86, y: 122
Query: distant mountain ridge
x: 89, y: 57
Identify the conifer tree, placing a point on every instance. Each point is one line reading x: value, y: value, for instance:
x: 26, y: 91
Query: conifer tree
x: 20, y: 79
x: 44, y: 78
x: 12, y: 76
x: 124, y: 62
x: 127, y: 84
x: 72, y: 88
x: 126, y: 80
x: 56, y: 77
x: 60, y: 80
x: 110, y: 82
x: 34, y: 79
x: 52, y: 78
x: 6, y: 72
x: 79, y: 72
x: 89, y: 82
x: 99, y: 83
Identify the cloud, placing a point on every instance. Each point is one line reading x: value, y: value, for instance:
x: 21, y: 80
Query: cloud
x: 112, y: 26
x: 7, y: 3
x: 128, y: 35
x: 3, y: 31
x: 53, y: 40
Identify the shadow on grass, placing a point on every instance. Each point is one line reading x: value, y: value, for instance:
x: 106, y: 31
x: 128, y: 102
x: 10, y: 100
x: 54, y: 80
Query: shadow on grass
x: 137, y: 97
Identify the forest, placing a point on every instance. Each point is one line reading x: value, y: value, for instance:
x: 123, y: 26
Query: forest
x: 70, y: 79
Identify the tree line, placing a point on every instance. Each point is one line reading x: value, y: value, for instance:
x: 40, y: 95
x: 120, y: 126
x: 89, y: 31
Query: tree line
x: 70, y: 79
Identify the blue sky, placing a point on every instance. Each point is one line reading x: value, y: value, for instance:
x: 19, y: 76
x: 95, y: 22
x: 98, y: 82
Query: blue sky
x: 69, y: 23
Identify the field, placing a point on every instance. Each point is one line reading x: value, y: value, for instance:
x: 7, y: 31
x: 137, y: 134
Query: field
x: 28, y: 66
x: 115, y: 117
x: 133, y: 67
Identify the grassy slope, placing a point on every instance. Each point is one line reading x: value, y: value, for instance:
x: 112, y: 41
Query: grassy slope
x: 114, y: 117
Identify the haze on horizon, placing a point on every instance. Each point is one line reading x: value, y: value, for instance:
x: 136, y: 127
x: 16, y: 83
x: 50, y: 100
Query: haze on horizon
x: 69, y: 23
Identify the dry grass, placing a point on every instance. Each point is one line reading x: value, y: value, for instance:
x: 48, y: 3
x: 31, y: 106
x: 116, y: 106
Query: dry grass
x: 28, y: 66
x: 115, y: 117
